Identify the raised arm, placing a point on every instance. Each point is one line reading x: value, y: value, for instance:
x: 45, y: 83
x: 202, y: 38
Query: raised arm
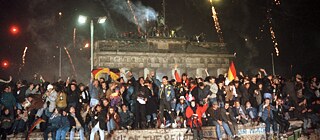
x: 176, y: 74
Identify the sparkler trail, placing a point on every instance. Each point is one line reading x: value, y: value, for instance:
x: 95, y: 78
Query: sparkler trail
x: 272, y: 33
x: 71, y: 62
x: 134, y: 16
x: 23, y: 58
x: 216, y: 23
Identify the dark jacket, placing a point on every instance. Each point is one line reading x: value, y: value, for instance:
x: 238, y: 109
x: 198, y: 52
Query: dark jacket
x: 214, y: 114
x: 228, y: 117
x: 126, y: 116
x: 73, y: 121
x: 8, y: 100
x: 236, y: 111
x: 73, y: 97
x: 20, y: 94
x: 203, y: 93
x: 63, y: 121
x: 6, y: 121
x: 54, y: 120
x: 99, y: 117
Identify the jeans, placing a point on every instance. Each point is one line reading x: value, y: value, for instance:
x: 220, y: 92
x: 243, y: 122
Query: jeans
x: 225, y: 127
x: 94, y: 130
x: 61, y: 133
x: 18, y: 126
x: 48, y: 130
x: 111, y: 125
x: 81, y: 133
x: 153, y: 115
x: 268, y: 123
x: 306, y: 121
x: 252, y: 114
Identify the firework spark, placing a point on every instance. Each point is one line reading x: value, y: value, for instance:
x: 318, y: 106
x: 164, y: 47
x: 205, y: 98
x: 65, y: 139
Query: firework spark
x: 23, y: 59
x: 272, y: 33
x: 216, y: 24
x: 134, y: 16
x: 71, y: 62
x: 277, y: 2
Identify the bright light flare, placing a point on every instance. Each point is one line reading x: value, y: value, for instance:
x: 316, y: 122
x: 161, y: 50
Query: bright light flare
x: 14, y: 30
x: 5, y: 63
x: 82, y: 19
x: 86, y: 45
x: 102, y: 20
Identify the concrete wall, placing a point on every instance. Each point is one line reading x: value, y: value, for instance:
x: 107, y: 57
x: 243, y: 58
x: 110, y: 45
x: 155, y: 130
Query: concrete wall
x: 161, y: 54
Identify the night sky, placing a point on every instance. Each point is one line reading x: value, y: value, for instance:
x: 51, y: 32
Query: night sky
x: 244, y: 23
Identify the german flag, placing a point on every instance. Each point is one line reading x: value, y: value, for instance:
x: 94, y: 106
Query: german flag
x: 232, y: 73
x: 38, y: 121
x: 114, y: 73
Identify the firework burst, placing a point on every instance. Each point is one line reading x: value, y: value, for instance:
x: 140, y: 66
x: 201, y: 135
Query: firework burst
x: 134, y: 16
x: 71, y: 62
x: 216, y: 23
x: 23, y: 59
x: 272, y: 33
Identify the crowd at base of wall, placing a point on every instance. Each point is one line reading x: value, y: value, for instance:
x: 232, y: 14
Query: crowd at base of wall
x: 246, y: 133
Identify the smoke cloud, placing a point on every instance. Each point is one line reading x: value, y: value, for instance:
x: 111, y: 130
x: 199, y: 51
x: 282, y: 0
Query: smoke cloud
x: 143, y: 13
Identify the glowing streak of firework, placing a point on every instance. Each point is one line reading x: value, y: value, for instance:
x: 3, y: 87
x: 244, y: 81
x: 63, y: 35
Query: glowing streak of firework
x: 71, y: 62
x: 74, y: 37
x: 277, y: 2
x: 216, y: 24
x: 23, y: 58
x: 134, y: 16
x: 273, y: 36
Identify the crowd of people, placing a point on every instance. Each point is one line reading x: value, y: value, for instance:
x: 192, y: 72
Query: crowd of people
x: 105, y: 105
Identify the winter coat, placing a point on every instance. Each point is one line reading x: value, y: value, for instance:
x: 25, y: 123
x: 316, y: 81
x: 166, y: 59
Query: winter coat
x: 62, y: 100
x: 54, y: 120
x: 263, y: 112
x: 203, y: 93
x: 73, y: 97
x: 8, y: 100
x: 63, y: 121
x: 167, y: 90
x: 99, y: 117
x: 213, y: 89
x: 20, y: 94
x: 36, y: 102
x: 126, y: 116
x: 6, y: 121
x: 73, y: 121
x: 229, y: 117
x: 84, y: 97
x: 199, y: 111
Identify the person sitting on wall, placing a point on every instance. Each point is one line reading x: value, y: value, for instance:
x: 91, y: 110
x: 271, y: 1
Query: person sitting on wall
x: 193, y: 114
